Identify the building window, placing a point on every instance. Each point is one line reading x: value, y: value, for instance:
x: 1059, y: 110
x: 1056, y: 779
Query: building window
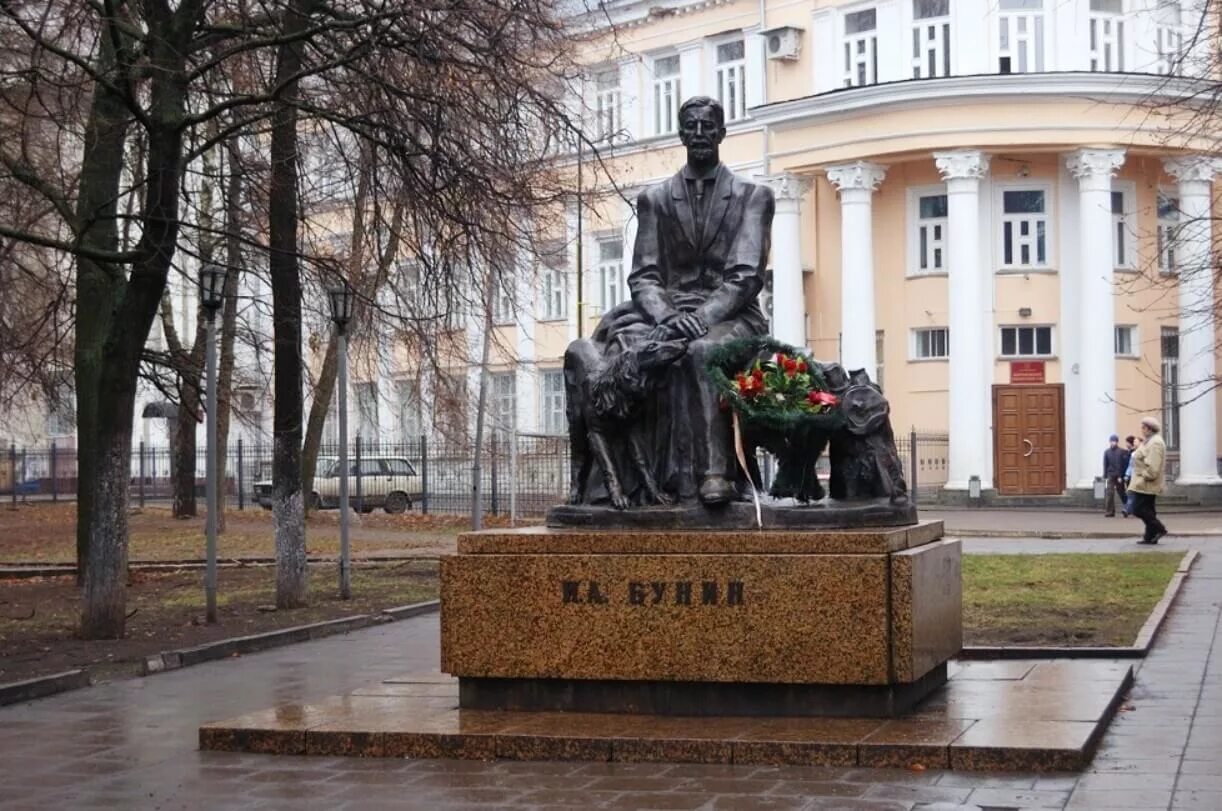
x: 1123, y: 236
x: 1168, y: 228
x: 1171, y: 387
x: 503, y: 401
x: 1020, y: 30
x: 502, y: 304
x: 1126, y: 341
x: 880, y: 344
x: 367, y: 410
x: 929, y: 245
x: 930, y: 343
x: 861, y: 48
x: 450, y: 406
x: 1107, y: 35
x: 554, y: 419
x: 61, y: 410
x: 1169, y: 34
x: 1026, y: 342
x: 730, y: 79
x: 407, y: 406
x: 607, y: 109
x: 666, y: 95
x: 555, y: 294
x: 611, y: 271
x: 930, y: 38
x: 1024, y: 229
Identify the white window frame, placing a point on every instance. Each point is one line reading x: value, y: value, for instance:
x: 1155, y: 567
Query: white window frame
x: 1124, y: 226
x: 552, y: 416
x: 931, y: 38
x: 858, y: 52
x: 1026, y: 48
x: 914, y: 232
x: 410, y: 413
x: 1167, y: 234
x: 610, y: 273
x: 502, y: 305
x: 1049, y: 216
x: 366, y: 417
x: 915, y: 342
x: 665, y: 95
x: 1134, y: 343
x: 554, y: 293
x: 1105, y: 39
x: 503, y: 402
x: 880, y: 354
x: 1169, y: 37
x: 1052, y: 342
x: 608, y: 103
x: 730, y: 77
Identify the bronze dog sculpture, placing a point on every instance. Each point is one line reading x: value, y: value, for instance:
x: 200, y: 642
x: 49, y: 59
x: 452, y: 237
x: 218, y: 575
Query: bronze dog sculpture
x: 604, y: 386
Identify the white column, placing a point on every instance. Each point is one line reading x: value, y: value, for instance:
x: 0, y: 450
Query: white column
x: 894, y: 44
x: 691, y: 70
x: 970, y: 51
x: 629, y: 231
x: 1093, y: 169
x: 757, y: 68
x: 1198, y: 401
x: 823, y: 50
x: 788, y: 296
x: 857, y: 182
x: 630, y: 97
x: 970, y: 320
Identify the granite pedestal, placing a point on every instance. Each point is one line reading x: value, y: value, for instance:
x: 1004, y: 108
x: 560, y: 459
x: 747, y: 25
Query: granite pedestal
x: 676, y: 622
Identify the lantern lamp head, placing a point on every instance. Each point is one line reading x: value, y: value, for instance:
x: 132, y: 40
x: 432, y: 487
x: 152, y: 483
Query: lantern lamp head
x: 212, y: 287
x: 342, y: 298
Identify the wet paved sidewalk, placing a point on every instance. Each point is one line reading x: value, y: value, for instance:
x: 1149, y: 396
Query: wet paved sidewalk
x: 1075, y: 523
x: 132, y: 744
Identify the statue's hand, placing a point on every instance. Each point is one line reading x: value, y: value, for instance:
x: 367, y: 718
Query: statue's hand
x: 659, y: 333
x: 690, y: 326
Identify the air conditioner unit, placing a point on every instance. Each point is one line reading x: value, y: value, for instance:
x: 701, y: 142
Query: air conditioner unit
x: 246, y: 401
x: 782, y: 43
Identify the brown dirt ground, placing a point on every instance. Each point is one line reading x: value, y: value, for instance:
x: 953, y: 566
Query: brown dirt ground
x: 45, y: 533
x: 39, y: 616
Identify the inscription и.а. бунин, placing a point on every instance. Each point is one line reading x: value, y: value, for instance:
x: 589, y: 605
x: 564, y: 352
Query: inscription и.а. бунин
x: 684, y: 592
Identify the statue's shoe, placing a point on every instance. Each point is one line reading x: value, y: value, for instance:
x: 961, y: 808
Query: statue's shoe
x: 716, y: 490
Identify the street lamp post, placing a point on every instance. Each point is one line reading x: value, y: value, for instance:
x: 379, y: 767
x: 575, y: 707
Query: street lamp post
x: 342, y: 297
x: 211, y: 297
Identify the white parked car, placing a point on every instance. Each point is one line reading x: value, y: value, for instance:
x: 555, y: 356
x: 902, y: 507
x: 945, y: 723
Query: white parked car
x: 389, y: 482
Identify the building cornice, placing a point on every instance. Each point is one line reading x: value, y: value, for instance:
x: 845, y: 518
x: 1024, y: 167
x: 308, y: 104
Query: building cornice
x: 1017, y: 87
x: 623, y: 14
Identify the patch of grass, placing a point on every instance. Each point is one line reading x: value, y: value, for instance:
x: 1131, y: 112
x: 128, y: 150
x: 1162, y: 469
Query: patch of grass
x: 1062, y: 599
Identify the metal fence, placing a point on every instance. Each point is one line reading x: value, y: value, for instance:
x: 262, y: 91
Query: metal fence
x: 525, y: 477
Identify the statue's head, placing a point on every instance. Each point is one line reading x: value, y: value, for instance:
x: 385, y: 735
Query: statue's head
x: 702, y: 126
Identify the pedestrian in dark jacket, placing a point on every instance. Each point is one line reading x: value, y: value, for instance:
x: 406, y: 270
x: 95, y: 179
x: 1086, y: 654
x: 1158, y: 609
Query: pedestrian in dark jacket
x: 1115, y: 463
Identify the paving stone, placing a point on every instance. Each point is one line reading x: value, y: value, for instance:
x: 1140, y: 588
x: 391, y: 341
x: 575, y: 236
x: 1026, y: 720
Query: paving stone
x: 1010, y: 798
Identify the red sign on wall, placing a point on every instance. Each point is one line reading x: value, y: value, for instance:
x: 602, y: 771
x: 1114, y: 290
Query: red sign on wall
x: 1026, y: 371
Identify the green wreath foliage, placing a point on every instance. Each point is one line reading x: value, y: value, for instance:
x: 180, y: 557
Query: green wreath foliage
x: 774, y: 420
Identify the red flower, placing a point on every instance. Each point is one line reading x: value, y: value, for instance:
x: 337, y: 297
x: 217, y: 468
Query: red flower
x: 801, y: 367
x: 758, y: 376
x: 822, y: 398
x: 791, y: 366
x: 780, y: 358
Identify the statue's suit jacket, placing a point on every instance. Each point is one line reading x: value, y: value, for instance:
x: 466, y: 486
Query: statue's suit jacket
x: 715, y: 268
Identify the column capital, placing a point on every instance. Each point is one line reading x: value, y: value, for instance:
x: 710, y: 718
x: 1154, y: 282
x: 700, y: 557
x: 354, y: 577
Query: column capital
x: 966, y: 164
x: 856, y: 175
x: 1090, y: 162
x: 1193, y: 168
x: 786, y: 186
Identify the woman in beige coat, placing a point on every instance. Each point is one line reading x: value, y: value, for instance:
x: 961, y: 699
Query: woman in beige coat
x: 1148, y: 480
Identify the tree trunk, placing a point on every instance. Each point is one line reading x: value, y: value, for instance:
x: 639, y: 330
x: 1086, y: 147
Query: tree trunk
x: 229, y: 317
x: 288, y: 508
x: 477, y: 484
x: 100, y: 285
x: 183, y: 458
x: 319, y: 407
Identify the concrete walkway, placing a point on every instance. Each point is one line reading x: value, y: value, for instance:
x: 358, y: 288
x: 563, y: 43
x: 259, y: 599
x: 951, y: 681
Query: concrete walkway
x: 1068, y: 523
x: 132, y: 744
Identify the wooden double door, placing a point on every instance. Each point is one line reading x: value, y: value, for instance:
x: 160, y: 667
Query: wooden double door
x: 1029, y: 439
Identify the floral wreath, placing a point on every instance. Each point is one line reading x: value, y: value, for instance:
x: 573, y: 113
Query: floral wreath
x: 773, y: 386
